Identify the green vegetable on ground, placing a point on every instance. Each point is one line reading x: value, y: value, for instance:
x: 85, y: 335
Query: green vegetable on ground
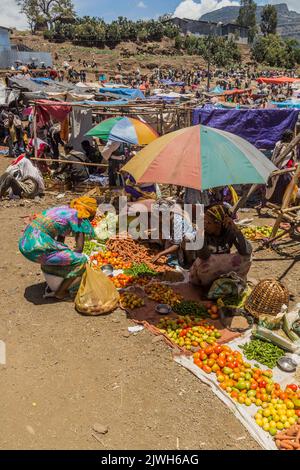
x: 90, y: 246
x: 140, y: 270
x: 263, y: 352
x: 190, y: 307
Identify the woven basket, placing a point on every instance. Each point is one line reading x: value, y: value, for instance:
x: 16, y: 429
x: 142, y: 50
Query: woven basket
x: 267, y: 298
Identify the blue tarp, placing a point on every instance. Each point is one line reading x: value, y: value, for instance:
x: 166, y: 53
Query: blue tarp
x: 261, y: 127
x: 287, y: 104
x: 104, y: 103
x: 130, y: 93
x: 43, y: 80
x: 171, y: 83
x: 162, y: 98
x: 217, y: 90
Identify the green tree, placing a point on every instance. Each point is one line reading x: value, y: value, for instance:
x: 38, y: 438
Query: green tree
x: 274, y: 51
x: 247, y: 17
x: 47, y: 11
x: 268, y: 24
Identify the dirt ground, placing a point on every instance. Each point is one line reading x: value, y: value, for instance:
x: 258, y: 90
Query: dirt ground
x: 65, y: 372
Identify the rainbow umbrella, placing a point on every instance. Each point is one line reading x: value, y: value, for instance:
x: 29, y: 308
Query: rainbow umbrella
x: 200, y: 157
x: 124, y: 129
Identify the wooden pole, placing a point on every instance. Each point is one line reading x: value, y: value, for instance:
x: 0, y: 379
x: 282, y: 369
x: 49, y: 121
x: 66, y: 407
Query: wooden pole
x: 289, y: 148
x: 99, y: 165
x: 35, y: 132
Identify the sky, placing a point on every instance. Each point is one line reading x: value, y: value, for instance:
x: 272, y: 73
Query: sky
x: 134, y: 9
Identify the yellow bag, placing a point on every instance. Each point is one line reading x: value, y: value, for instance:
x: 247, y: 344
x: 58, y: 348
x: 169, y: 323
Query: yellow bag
x: 97, y: 294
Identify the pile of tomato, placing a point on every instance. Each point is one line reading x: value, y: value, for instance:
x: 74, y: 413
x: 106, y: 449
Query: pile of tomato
x: 245, y: 384
x: 108, y: 257
x: 122, y: 280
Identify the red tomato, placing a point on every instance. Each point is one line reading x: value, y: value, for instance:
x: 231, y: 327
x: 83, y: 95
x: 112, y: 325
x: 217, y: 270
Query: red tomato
x: 218, y: 349
x: 297, y: 413
x: 222, y: 355
x: 230, y: 358
x: 206, y: 369
x: 283, y: 396
x: 221, y: 363
x: 293, y: 387
x: 234, y: 394
x: 203, y: 356
x: 262, y: 383
x: 209, y: 350
x: 213, y: 356
x: 198, y: 363
x: 254, y: 386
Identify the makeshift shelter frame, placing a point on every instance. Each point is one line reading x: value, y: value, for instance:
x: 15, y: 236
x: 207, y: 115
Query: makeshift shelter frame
x: 134, y: 109
x: 285, y: 212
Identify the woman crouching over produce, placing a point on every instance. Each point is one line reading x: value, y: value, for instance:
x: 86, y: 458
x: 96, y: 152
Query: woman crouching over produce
x: 215, y: 258
x: 43, y: 241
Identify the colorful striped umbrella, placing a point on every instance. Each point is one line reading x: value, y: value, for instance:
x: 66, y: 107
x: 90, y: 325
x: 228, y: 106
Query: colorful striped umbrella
x: 124, y: 129
x: 200, y: 157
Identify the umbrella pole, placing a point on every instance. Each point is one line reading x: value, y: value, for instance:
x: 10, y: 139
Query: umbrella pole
x: 243, y: 199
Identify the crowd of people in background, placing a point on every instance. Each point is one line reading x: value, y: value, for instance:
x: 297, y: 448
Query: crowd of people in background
x: 57, y: 158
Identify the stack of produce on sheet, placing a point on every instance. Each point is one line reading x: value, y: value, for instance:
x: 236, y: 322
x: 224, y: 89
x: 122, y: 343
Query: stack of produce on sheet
x: 258, y: 232
x: 131, y: 301
x: 162, y: 294
x: 263, y: 352
x: 197, y: 309
x: 247, y: 385
x: 134, y: 252
x: 189, y: 333
x: 108, y: 257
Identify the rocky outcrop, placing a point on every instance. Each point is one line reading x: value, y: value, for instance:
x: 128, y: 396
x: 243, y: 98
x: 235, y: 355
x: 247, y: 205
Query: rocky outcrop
x: 288, y: 20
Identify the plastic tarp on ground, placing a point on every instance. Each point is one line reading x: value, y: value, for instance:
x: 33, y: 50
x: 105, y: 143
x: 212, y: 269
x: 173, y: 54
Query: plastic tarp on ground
x: 277, y: 80
x: 261, y: 127
x: 245, y: 414
x: 130, y: 93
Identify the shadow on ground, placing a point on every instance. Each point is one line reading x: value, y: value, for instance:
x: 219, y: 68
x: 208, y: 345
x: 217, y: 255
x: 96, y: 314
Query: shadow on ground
x: 34, y: 295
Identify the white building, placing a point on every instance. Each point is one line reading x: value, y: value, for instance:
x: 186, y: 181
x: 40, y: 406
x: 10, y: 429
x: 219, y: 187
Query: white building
x: 10, y: 54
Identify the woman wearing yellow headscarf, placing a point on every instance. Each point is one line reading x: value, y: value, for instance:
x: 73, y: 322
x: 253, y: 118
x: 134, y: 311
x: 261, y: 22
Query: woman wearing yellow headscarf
x: 215, y: 258
x: 43, y: 242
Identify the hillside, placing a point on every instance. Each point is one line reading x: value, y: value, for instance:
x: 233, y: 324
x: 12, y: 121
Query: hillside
x: 130, y: 55
x: 288, y: 20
